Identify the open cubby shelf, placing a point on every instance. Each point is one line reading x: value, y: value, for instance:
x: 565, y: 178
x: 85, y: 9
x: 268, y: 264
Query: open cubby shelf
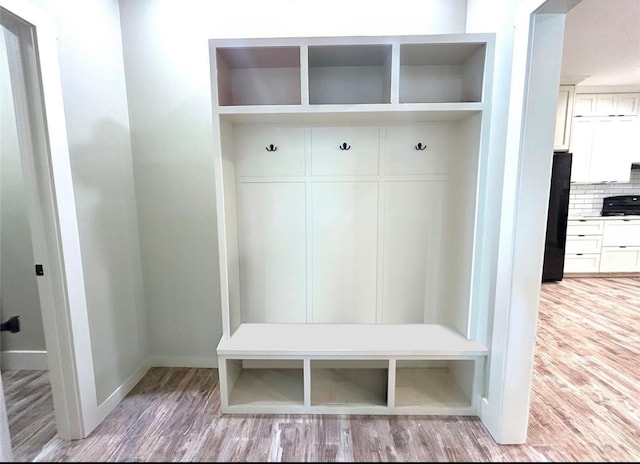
x: 318, y: 72
x: 349, y: 74
x: 375, y: 386
x: 258, y: 75
x: 259, y: 383
x: 437, y: 73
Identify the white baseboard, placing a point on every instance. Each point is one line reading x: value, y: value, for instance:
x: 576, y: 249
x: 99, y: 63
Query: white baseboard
x: 24, y: 359
x: 184, y: 361
x: 118, y: 395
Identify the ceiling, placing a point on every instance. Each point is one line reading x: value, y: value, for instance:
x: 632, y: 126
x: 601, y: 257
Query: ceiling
x: 602, y: 44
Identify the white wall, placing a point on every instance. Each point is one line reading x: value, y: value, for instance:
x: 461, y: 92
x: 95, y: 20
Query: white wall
x: 93, y: 85
x: 18, y: 287
x: 166, y: 58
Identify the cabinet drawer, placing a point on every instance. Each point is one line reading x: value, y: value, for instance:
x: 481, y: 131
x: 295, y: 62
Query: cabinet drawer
x: 264, y: 151
x: 583, y: 244
x: 585, y: 227
x: 625, y: 232
x: 405, y: 151
x: 581, y: 263
x: 620, y: 259
x: 345, y: 151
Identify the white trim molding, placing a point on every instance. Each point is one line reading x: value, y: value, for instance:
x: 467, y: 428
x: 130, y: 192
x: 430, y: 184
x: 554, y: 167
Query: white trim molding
x: 120, y: 393
x: 184, y: 361
x: 33, y: 360
x: 537, y: 27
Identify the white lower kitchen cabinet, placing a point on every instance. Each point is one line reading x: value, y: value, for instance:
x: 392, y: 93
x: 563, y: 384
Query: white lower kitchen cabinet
x: 583, y: 245
x: 620, y: 259
x: 602, y: 245
x: 621, y: 232
x: 581, y: 263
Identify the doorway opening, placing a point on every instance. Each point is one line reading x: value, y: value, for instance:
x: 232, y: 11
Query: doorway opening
x: 23, y: 359
x: 34, y: 139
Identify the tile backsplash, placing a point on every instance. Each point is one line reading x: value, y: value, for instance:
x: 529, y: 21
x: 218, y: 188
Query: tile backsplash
x: 586, y: 199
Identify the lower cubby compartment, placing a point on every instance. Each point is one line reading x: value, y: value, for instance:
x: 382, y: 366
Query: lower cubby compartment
x: 349, y: 383
x: 265, y: 382
x: 442, y: 384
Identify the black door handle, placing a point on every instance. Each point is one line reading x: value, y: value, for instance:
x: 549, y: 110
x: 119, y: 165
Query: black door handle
x: 12, y: 324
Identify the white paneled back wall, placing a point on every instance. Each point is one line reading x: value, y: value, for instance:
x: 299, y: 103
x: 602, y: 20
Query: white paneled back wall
x: 586, y: 199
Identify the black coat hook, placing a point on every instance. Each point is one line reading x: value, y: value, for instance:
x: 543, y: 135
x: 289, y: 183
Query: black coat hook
x: 344, y: 146
x: 271, y: 147
x: 420, y: 147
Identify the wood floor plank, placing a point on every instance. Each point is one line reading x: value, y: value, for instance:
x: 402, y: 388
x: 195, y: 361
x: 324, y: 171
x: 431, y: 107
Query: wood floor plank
x: 585, y: 405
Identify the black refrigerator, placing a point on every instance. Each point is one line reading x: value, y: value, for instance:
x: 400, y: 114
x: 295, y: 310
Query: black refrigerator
x: 553, y: 267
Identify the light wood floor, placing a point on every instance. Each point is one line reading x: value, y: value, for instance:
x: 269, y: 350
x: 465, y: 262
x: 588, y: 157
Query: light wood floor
x: 585, y: 405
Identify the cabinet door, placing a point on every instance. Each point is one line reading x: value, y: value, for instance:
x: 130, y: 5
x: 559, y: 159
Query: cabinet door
x: 627, y: 133
x: 583, y: 244
x: 412, y: 251
x: 564, y: 118
x: 606, y: 104
x: 581, y: 145
x: 254, y: 158
x: 620, y: 259
x: 612, y: 148
x: 581, y: 227
x: 627, y: 104
x: 403, y: 155
x: 344, y: 241
x: 272, y: 252
x: 584, y: 104
x: 345, y: 151
x: 604, y: 164
x: 578, y: 262
x: 621, y: 233
x: 603, y: 148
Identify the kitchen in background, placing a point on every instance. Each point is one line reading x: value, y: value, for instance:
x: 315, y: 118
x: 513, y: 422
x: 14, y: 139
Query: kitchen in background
x: 597, y: 124
x: 600, y: 133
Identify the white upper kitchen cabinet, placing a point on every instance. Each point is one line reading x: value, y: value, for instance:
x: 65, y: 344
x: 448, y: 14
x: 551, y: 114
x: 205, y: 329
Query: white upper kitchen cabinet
x: 564, y: 117
x: 606, y: 104
x: 605, y: 137
x: 603, y: 148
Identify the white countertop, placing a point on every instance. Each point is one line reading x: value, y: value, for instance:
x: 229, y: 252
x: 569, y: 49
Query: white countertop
x: 605, y: 218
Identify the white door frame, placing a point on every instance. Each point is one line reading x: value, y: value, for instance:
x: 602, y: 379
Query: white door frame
x: 56, y: 243
x: 535, y: 79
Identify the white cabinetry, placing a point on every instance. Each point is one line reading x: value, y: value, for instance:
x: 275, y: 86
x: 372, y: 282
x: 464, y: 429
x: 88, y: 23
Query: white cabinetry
x: 605, y: 137
x: 583, y: 245
x: 345, y: 270
x: 606, y: 104
x: 602, y: 245
x: 621, y: 246
x: 564, y: 117
x: 603, y: 148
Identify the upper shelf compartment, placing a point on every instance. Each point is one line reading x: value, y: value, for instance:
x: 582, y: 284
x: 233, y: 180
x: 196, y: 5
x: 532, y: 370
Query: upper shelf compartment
x: 441, y: 72
x: 258, y: 75
x: 349, y: 74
